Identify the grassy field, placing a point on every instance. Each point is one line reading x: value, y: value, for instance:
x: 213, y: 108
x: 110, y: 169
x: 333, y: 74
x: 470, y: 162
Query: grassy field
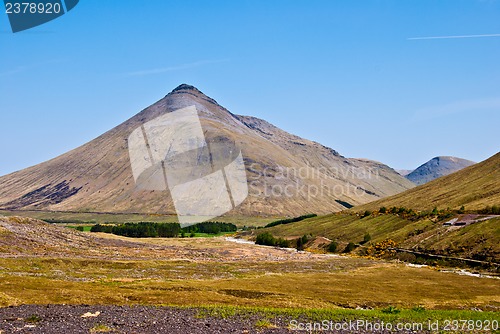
x: 95, y: 217
x: 348, y: 283
x: 415, y: 316
x: 221, y: 278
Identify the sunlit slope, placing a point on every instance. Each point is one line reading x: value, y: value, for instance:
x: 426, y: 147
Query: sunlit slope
x: 474, y: 187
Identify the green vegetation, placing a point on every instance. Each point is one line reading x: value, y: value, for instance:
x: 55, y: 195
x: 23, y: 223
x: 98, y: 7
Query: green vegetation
x: 92, y: 218
x: 367, y: 213
x: 424, y: 232
x: 267, y: 239
x: 81, y: 228
x: 165, y: 230
x: 291, y: 220
x: 210, y: 228
x: 386, y: 315
x: 491, y: 210
x: 332, y: 248
x: 101, y: 328
x: 350, y: 247
x: 140, y: 230
x: 34, y: 318
x: 301, y: 242
x: 391, y: 310
x: 264, y: 324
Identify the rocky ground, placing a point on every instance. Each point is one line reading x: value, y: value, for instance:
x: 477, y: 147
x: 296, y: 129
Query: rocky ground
x: 135, y: 319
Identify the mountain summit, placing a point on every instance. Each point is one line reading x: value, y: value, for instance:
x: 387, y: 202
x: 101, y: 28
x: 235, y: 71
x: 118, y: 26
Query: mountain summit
x: 287, y: 175
x: 437, y: 167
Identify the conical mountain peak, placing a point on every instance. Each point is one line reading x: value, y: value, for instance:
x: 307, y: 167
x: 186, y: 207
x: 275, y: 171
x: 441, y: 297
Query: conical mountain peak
x: 186, y: 87
x: 191, y: 90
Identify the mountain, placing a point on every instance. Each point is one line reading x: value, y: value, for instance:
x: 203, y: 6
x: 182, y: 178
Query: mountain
x: 474, y: 187
x: 437, y: 167
x: 287, y: 175
x: 404, y: 172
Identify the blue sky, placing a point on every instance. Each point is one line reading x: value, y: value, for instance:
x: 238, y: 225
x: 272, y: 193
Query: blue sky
x: 344, y: 73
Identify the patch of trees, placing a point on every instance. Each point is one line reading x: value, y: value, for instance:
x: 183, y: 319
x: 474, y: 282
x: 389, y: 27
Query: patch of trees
x: 332, y: 247
x: 301, y: 242
x: 490, y: 210
x: 440, y: 214
x: 366, y: 238
x: 291, y: 220
x: 411, y: 214
x: 210, y: 228
x: 268, y: 239
x: 140, y: 230
x: 350, y: 247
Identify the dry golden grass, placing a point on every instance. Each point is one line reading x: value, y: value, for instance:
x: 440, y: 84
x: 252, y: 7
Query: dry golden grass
x: 322, y: 285
x: 212, y: 271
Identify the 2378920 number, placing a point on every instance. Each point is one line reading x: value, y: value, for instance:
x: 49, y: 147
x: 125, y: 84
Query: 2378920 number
x: 32, y: 8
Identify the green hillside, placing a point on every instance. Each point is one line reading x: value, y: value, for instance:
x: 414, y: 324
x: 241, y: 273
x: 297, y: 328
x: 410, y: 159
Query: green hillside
x: 479, y: 240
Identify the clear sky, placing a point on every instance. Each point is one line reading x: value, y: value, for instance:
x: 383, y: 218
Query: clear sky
x: 348, y: 74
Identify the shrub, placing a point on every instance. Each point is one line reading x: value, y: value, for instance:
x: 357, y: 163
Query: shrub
x: 382, y: 209
x: 418, y: 309
x: 391, y: 310
x: 102, y: 228
x: 282, y: 243
x: 366, y: 214
x: 267, y: 239
x: 332, y: 248
x: 350, y: 247
x: 492, y: 210
x: 383, y: 248
x: 302, y: 241
x: 367, y: 238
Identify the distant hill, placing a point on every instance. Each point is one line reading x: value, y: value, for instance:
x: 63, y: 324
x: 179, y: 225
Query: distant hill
x: 437, y: 167
x: 404, y: 172
x: 474, y: 187
x: 97, y: 176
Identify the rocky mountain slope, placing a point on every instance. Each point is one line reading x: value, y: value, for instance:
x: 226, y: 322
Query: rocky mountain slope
x: 287, y: 175
x: 437, y: 167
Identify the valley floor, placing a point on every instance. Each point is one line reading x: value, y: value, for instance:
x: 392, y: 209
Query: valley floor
x: 43, y: 264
